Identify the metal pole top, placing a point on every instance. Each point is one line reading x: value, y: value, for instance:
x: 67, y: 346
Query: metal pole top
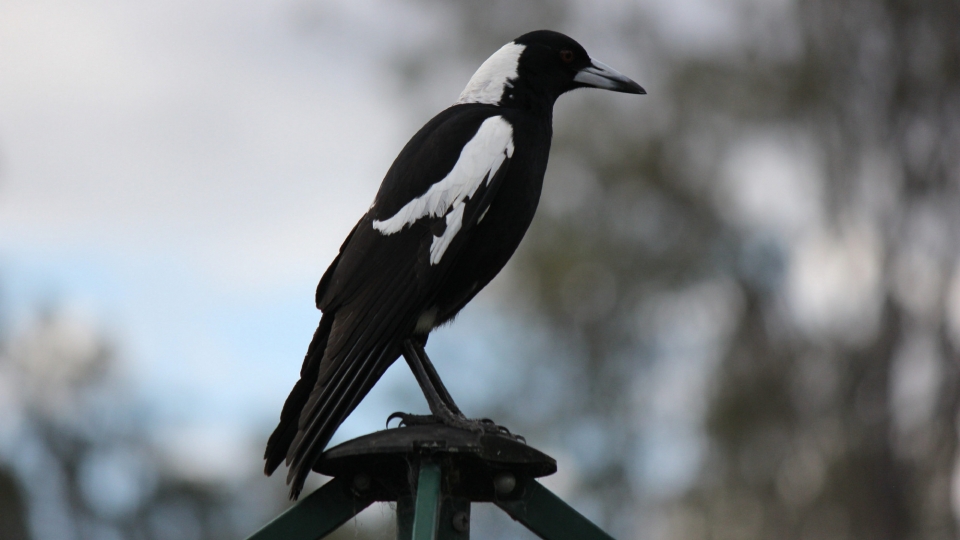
x: 433, y: 472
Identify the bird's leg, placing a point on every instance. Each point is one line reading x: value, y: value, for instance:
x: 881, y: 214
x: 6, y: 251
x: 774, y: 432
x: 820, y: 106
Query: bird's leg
x: 442, y: 407
x: 420, y: 354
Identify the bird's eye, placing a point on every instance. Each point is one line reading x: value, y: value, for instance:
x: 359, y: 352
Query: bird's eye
x: 566, y: 55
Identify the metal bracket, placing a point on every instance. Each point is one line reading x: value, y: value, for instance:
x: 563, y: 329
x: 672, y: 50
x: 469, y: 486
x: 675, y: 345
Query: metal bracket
x: 433, y: 473
x: 316, y: 516
x: 545, y: 514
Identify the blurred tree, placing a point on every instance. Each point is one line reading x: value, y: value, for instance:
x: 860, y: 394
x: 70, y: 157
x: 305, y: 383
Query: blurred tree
x: 762, y: 247
x: 850, y: 432
x: 76, y: 441
x: 745, y: 286
x: 13, y: 512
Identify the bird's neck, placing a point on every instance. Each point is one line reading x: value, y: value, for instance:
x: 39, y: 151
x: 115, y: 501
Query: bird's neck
x: 498, y: 82
x: 525, y: 97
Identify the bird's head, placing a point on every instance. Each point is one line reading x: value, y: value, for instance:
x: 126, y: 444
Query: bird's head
x: 536, y: 68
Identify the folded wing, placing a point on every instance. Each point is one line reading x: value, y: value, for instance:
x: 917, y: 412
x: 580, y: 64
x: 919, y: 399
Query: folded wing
x: 387, y: 273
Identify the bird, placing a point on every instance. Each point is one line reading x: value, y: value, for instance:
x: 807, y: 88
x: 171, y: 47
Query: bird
x: 449, y: 214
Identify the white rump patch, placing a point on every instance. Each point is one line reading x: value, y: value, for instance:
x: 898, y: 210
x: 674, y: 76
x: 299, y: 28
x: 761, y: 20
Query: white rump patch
x: 493, y: 77
x: 479, y: 161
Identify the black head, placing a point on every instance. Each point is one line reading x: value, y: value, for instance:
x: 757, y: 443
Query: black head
x: 538, y: 67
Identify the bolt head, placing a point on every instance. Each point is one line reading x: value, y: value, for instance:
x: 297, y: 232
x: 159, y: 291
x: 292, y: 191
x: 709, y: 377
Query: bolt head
x: 504, y: 482
x: 361, y: 482
x: 461, y: 521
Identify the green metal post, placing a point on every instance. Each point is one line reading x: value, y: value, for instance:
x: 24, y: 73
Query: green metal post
x: 315, y: 516
x: 539, y: 510
x: 454, y: 520
x: 427, y: 509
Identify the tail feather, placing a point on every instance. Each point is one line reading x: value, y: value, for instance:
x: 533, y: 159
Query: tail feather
x: 319, y: 395
x: 344, y: 353
x: 317, y: 411
x: 340, y: 368
x: 338, y: 405
x: 359, y: 344
x: 286, y: 430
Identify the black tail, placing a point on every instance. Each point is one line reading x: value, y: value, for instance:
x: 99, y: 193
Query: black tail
x: 354, y: 344
x: 280, y: 440
x: 325, y: 395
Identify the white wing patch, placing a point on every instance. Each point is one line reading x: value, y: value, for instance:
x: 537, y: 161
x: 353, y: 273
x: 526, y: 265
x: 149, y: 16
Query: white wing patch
x: 493, y: 76
x: 479, y: 161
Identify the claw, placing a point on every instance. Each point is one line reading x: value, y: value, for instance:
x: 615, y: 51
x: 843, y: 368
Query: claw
x: 407, y: 419
x: 481, y: 425
x: 397, y: 414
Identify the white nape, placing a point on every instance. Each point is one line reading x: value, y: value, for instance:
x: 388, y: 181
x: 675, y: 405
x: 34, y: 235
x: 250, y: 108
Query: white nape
x: 493, y: 77
x: 479, y: 161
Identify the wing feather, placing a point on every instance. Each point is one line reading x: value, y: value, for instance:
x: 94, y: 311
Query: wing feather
x: 390, y: 268
x: 361, y: 346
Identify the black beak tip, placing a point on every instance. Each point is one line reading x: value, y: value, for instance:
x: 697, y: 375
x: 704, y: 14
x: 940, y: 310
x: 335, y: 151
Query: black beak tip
x: 628, y: 87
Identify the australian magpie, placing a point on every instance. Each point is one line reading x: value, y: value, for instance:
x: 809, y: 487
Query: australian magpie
x: 449, y: 214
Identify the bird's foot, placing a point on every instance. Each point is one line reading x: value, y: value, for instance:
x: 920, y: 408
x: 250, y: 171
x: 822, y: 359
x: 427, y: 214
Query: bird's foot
x: 476, y: 425
x: 407, y: 419
x: 489, y: 426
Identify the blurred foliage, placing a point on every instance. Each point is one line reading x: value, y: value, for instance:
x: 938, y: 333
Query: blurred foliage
x: 76, y: 458
x: 13, y: 513
x: 816, y: 308
x: 747, y: 281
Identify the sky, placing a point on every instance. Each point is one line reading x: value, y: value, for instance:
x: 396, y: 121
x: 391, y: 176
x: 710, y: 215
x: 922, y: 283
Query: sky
x: 179, y: 174
x: 177, y: 177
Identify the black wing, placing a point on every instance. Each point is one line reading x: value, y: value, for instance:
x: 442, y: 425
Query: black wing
x: 374, y: 291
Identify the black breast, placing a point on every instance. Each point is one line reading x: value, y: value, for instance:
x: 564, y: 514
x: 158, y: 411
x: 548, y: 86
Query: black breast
x: 497, y: 236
